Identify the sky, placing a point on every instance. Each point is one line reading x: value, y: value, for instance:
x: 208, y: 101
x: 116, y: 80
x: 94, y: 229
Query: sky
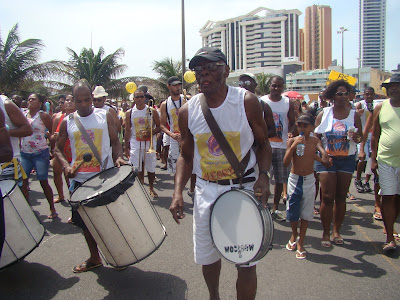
x: 151, y: 30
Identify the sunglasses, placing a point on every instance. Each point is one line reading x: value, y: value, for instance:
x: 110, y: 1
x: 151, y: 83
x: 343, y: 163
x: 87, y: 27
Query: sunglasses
x: 244, y: 83
x: 209, y: 67
x: 340, y: 94
x: 141, y: 97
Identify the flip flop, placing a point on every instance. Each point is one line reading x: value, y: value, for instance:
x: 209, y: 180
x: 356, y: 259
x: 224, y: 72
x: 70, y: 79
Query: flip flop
x: 351, y: 197
x: 291, y: 246
x: 377, y: 216
x: 52, y: 216
x: 338, y: 241
x: 389, y: 246
x: 58, y: 200
x: 153, y: 194
x: 326, y: 244
x: 86, y: 266
x: 301, y: 255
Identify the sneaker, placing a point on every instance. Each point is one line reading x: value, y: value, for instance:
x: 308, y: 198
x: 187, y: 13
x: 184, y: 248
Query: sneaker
x: 278, y: 216
x: 367, y: 188
x: 359, y: 186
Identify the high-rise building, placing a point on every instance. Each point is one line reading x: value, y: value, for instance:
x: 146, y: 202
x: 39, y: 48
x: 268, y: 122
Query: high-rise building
x: 317, y: 37
x: 372, y: 33
x: 260, y: 39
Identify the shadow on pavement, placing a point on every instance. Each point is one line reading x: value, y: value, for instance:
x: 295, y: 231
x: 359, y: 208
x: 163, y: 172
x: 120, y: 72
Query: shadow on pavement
x: 26, y: 280
x: 133, y: 283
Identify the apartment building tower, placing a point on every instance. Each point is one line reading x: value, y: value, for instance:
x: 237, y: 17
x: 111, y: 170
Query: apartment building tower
x: 317, y: 37
x: 372, y: 33
x: 260, y: 39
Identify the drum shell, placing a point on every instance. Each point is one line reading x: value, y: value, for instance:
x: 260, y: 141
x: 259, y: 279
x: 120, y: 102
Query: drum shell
x: 24, y: 232
x: 235, y: 216
x: 127, y: 229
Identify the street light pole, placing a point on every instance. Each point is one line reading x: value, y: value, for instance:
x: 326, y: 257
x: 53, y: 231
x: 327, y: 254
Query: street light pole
x: 358, y: 79
x: 342, y: 30
x: 183, y: 44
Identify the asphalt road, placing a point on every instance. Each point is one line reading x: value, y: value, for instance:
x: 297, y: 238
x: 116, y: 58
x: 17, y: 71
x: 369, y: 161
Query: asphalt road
x: 358, y: 269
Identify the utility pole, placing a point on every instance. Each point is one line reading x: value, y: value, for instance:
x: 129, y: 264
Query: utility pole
x: 341, y: 31
x: 183, y: 44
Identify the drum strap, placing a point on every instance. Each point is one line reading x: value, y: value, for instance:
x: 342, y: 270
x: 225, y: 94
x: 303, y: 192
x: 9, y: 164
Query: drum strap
x: 16, y: 163
x: 238, y: 167
x: 89, y: 141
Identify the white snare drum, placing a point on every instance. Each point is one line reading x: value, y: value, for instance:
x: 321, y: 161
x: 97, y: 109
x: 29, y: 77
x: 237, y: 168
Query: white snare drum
x: 24, y: 231
x: 241, y: 229
x: 118, y: 213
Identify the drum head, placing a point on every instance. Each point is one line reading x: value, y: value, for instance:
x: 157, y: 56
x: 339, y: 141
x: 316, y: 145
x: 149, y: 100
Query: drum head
x: 104, y: 187
x: 237, y: 226
x: 6, y: 186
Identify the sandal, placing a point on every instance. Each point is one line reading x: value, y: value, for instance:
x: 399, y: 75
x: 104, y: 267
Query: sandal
x: 350, y: 196
x: 326, y: 244
x: 389, y: 246
x: 58, y: 200
x: 338, y: 240
x: 86, y: 266
x: 301, y: 255
x: 291, y: 246
x: 52, y: 215
x: 153, y: 194
x: 377, y: 216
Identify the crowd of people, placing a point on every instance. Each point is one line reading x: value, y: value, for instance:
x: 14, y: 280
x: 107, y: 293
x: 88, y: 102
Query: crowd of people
x: 303, y: 150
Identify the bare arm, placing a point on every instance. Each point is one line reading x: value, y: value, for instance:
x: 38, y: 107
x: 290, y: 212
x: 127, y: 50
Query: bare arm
x: 115, y: 144
x: 6, y: 151
x: 156, y: 121
x: 114, y: 115
x: 128, y: 128
x: 184, y: 165
x: 264, y: 152
x: 269, y: 120
x: 289, y: 152
x: 376, y: 134
x: 59, y: 149
x: 292, y: 131
x: 18, y: 119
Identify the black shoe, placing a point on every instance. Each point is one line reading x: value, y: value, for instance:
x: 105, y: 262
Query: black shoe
x: 359, y: 186
x: 367, y: 188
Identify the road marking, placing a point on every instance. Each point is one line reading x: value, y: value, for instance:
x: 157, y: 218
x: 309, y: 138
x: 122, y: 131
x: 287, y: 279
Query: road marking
x: 377, y: 248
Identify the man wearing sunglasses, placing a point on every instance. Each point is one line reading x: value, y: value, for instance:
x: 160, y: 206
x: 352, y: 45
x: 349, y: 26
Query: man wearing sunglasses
x: 169, y: 120
x: 238, y: 114
x: 248, y: 82
x: 99, y: 101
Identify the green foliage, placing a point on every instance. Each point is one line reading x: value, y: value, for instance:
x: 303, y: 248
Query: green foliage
x: 263, y: 83
x: 19, y: 65
x: 166, y: 68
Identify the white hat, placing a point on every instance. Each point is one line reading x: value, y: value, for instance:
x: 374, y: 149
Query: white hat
x: 249, y: 75
x: 99, y: 92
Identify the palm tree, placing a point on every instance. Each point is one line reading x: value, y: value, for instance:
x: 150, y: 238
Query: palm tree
x: 166, y: 68
x: 263, y: 83
x: 19, y: 62
x: 96, y: 68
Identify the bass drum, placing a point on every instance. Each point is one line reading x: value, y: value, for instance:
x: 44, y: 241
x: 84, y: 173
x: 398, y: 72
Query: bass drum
x: 118, y: 213
x: 241, y: 229
x: 24, y: 232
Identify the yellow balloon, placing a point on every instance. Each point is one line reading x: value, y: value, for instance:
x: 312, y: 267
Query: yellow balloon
x: 383, y: 88
x: 189, y: 76
x: 131, y: 87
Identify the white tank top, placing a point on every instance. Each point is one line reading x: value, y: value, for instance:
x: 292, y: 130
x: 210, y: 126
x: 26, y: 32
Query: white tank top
x: 138, y: 122
x: 37, y: 141
x: 335, y: 142
x: 14, y: 140
x: 280, y: 111
x: 209, y: 162
x: 97, y: 129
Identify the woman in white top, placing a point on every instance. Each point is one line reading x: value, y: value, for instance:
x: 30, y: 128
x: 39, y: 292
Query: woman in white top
x: 340, y: 129
x: 35, y: 150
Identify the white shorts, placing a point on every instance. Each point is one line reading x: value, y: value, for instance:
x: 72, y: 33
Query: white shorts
x: 389, y: 180
x: 166, y: 139
x: 150, y: 160
x: 301, y: 197
x: 173, y: 155
x: 205, y: 195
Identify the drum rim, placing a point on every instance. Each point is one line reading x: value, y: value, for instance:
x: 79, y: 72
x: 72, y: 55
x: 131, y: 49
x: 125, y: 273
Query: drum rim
x: 131, y: 174
x: 261, y: 209
x: 8, y: 193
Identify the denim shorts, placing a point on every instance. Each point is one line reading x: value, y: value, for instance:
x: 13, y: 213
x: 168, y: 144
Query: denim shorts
x: 39, y: 161
x: 339, y: 164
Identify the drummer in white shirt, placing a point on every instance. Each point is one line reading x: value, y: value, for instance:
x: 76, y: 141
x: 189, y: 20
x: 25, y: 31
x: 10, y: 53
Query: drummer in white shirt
x: 104, y: 134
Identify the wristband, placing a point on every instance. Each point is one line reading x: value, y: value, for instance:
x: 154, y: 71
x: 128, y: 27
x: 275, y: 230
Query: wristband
x: 265, y: 172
